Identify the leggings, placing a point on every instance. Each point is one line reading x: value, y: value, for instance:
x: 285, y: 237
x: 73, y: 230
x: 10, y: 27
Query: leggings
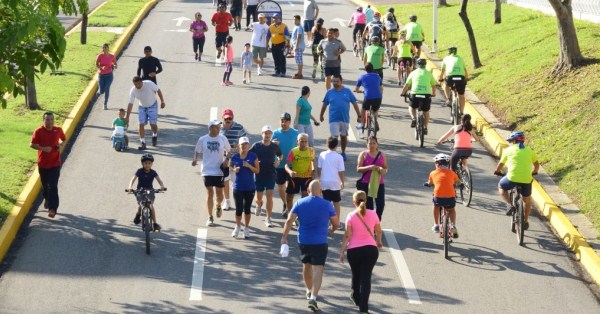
x: 198, y: 44
x: 251, y: 10
x: 379, y: 201
x: 357, y: 28
x: 362, y: 261
x: 243, y: 201
x: 228, y: 70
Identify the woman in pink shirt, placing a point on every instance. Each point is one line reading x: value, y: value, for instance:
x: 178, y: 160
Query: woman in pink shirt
x: 360, y: 20
x: 362, y: 249
x: 463, y: 147
x: 198, y: 29
x: 106, y: 63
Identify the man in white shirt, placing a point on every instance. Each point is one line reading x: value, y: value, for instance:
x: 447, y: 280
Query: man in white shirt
x: 259, y: 41
x: 330, y: 169
x: 145, y: 92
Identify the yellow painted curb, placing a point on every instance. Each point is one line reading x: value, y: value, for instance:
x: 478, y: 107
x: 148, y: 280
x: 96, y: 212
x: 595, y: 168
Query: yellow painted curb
x: 32, y: 188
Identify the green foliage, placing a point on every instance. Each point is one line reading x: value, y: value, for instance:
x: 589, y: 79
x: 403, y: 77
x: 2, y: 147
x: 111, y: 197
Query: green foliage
x: 117, y: 13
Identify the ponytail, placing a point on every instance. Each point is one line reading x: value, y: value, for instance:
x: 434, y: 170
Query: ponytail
x: 466, y: 123
x: 363, y: 208
x: 360, y: 199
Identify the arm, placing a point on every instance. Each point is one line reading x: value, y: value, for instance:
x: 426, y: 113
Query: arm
x: 335, y: 223
x: 162, y: 186
x: 474, y: 135
x: 196, y: 157
x: 162, y: 100
x: 499, y: 167
x: 342, y: 176
x: 384, y: 169
x: 405, y: 88
x: 139, y: 70
x: 536, y: 167
x: 446, y: 136
x: 347, y: 236
x: 322, y: 115
x: 355, y: 105
x: 466, y: 74
x: 158, y: 67
x: 378, y: 235
x: 131, y: 182
x: 254, y: 168
x: 129, y: 107
x: 286, y: 228
x: 297, y: 117
x: 316, y: 11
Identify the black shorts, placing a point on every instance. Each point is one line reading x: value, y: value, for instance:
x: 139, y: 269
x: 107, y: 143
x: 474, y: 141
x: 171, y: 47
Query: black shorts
x: 296, y: 185
x: 447, y: 202
x: 220, y: 38
x: 332, y: 196
x: 425, y: 102
x: 282, y: 176
x: 236, y: 12
x: 368, y: 103
x: 216, y: 181
x: 458, y: 82
x: 333, y: 71
x: 314, y: 254
x: 417, y: 44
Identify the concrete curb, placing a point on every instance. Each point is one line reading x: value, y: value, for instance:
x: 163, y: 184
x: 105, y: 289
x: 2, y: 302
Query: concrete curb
x: 32, y: 189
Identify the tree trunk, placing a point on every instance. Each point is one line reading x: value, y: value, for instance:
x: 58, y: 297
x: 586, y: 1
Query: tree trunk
x: 84, y: 23
x: 31, y: 95
x: 570, y: 54
x: 498, y: 12
x: 465, y: 19
x: 442, y: 3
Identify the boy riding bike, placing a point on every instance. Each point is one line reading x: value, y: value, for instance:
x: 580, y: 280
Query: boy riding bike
x: 444, y: 195
x: 145, y: 177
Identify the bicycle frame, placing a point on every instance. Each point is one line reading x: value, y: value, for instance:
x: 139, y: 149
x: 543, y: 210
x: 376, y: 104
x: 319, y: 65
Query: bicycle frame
x: 518, y: 217
x: 445, y: 229
x: 145, y: 202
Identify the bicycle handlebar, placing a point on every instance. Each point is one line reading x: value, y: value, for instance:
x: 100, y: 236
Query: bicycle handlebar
x: 132, y: 191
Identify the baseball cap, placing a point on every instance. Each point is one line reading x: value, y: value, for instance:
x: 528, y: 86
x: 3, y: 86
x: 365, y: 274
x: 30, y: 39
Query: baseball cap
x: 214, y: 122
x: 228, y: 113
x: 262, y: 15
x: 276, y: 15
x: 285, y: 116
x: 266, y: 128
x: 243, y: 139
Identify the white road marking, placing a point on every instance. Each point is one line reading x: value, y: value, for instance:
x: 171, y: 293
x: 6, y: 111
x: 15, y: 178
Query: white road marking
x: 402, y: 267
x: 339, y: 20
x: 176, y: 30
x: 290, y: 3
x: 213, y: 113
x: 180, y: 20
x: 198, y: 274
x: 351, y: 136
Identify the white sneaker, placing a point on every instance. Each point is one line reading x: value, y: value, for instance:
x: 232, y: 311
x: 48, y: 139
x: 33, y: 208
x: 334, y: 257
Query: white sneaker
x: 360, y: 126
x: 210, y: 222
x: 258, y: 210
x: 249, y: 80
x: 225, y: 204
x: 268, y: 223
x: 246, y: 233
x: 259, y: 71
x: 236, y: 232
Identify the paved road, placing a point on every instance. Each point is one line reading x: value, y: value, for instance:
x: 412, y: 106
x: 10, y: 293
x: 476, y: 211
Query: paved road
x: 69, y: 22
x: 91, y: 257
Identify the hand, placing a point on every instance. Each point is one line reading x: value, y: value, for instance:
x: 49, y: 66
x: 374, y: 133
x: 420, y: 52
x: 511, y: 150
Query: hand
x: 321, y: 118
x: 293, y: 174
x: 46, y: 149
x: 162, y: 188
x: 296, y: 126
x: 498, y: 173
x: 534, y: 173
x: 194, y: 163
x: 342, y: 255
x: 246, y: 164
x: 379, y: 244
x: 162, y: 105
x: 403, y: 95
x: 152, y: 74
x: 426, y: 184
x: 317, y: 123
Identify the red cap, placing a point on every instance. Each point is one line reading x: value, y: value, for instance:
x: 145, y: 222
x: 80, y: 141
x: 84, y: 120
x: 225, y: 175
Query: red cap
x: 228, y: 113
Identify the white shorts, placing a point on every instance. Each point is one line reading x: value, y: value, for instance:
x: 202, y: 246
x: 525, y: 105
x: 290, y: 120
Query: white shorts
x: 339, y: 128
x: 247, y: 68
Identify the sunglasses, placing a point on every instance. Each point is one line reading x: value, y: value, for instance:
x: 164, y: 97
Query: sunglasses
x: 228, y: 119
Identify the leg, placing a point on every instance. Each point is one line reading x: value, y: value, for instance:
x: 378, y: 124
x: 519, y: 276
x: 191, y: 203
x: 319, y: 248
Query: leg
x: 53, y: 174
x: 282, y: 194
x: 344, y: 142
x: 238, y: 198
x: 307, y: 275
x: 154, y: 128
x: 210, y: 193
x: 336, y: 206
x: 328, y: 82
x: 370, y: 254
x: 259, y: 199
x: 461, y: 102
x: 380, y: 201
x: 269, y: 207
x: 248, y: 196
x: 354, y: 260
x: 107, y: 83
x: 289, y: 201
x: 452, y: 213
x: 447, y: 91
x: 219, y: 196
x: 413, y: 112
x: 317, y: 279
x: 505, y: 197
x: 226, y: 194
x: 436, y: 215
x: 142, y: 132
x: 527, y: 202
x: 426, y: 114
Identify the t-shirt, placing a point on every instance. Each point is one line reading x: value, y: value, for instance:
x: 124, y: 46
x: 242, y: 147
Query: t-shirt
x: 222, y: 20
x: 309, y: 9
x: 374, y: 55
x: 305, y: 110
x: 146, y: 95
x: 247, y: 57
x: 370, y: 160
x: 369, y: 14
x: 244, y: 180
x: 198, y: 26
x: 287, y: 140
x: 259, y: 35
x: 302, y: 161
x: 454, y: 65
x: 119, y: 122
x: 339, y: 104
x: 329, y: 49
x: 234, y: 133
x: 145, y: 179
x: 403, y: 46
x: 278, y: 33
x: 213, y: 154
x: 359, y: 17
x: 519, y: 162
x: 462, y: 138
x: 44, y: 137
x: 360, y: 235
x: 421, y: 82
x: 105, y: 63
x: 314, y: 214
x: 331, y: 164
x: 371, y: 82
x: 414, y: 31
x: 147, y: 65
x: 444, y: 180
x: 266, y: 155
x: 298, y: 33
x: 391, y: 26
x: 229, y: 55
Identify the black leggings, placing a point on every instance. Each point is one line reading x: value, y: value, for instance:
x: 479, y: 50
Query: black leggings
x: 362, y: 261
x: 357, y: 28
x: 251, y: 10
x: 243, y: 201
x: 459, y: 153
x: 198, y: 44
x: 379, y: 201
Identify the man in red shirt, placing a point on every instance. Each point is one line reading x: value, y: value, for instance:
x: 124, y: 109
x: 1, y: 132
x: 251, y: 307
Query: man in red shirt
x: 221, y: 21
x: 48, y: 140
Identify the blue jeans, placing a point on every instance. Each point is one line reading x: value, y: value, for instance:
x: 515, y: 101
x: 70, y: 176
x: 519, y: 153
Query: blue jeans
x: 104, y: 82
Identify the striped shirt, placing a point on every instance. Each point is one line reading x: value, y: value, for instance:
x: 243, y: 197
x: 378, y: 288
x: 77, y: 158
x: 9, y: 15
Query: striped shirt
x: 234, y: 133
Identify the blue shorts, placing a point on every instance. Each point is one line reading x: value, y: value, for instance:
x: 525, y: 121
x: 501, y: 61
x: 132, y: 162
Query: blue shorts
x: 506, y: 185
x: 146, y: 114
x: 333, y: 71
x: 262, y: 185
x: 448, y: 202
x: 308, y: 25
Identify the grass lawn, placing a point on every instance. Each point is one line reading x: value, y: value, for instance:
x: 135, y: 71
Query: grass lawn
x: 55, y: 93
x: 559, y: 116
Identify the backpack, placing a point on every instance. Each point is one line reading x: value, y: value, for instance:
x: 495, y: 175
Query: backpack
x: 375, y: 30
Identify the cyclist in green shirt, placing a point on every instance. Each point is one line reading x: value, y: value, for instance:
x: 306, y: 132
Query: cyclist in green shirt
x: 519, y: 161
x: 420, y: 82
x: 374, y: 55
x: 455, y: 73
x: 406, y: 50
x: 415, y: 33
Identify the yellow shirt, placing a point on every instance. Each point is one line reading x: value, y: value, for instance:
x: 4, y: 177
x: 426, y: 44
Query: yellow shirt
x: 278, y: 33
x: 302, y: 161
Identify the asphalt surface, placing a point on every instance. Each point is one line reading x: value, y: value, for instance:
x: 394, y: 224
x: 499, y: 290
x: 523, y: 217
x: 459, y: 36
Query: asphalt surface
x: 91, y: 257
x: 69, y: 21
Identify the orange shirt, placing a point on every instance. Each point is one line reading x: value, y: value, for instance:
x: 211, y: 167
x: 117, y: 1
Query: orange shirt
x: 443, y: 179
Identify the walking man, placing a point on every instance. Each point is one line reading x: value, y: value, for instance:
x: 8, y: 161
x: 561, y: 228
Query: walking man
x: 300, y: 166
x: 315, y: 214
x: 298, y: 45
x: 311, y: 12
x: 260, y: 30
x: 330, y: 170
x: 278, y: 34
x: 286, y: 138
x: 149, y: 66
x: 232, y: 131
x: 48, y: 140
x: 145, y: 92
x: 331, y: 49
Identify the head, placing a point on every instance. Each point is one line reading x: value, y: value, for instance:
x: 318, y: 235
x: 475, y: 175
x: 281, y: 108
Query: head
x: 262, y: 18
x: 391, y: 10
x: 302, y: 141
x: 332, y: 142
x: 441, y: 161
x: 413, y: 18
x: 421, y: 63
x: 360, y: 201
x: 48, y: 120
x: 227, y: 118
x: 244, y: 143
x: 198, y: 16
x: 337, y: 81
x: 247, y: 46
x: 121, y: 113
x: 517, y: 138
x: 305, y: 92
x: 222, y: 7
x: 359, y: 9
x: 147, y: 51
x: 369, y: 68
x: 297, y: 19
x: 452, y: 50
x: 267, y: 133
x: 229, y: 39
x: 314, y: 188
x: 147, y: 160
x: 137, y: 82
x: 285, y: 121
x: 330, y: 34
x: 320, y: 21
x: 403, y: 34
x: 376, y: 16
x: 214, y: 127
x: 375, y: 40
x: 466, y: 122
x: 105, y: 48
x: 372, y: 143
x: 276, y: 18
x: 336, y: 32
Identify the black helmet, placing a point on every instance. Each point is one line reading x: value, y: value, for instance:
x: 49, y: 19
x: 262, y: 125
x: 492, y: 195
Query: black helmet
x: 413, y: 18
x: 391, y: 10
x: 452, y: 49
x: 359, y: 9
x: 147, y: 156
x: 375, y: 40
x: 421, y: 62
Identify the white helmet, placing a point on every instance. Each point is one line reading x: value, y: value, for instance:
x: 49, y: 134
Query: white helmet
x: 442, y: 158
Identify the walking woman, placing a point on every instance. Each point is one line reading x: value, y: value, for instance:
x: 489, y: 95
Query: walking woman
x: 198, y: 29
x: 245, y: 164
x: 362, y: 249
x: 463, y: 147
x: 106, y: 63
x: 318, y: 33
x: 304, y: 115
x: 372, y: 163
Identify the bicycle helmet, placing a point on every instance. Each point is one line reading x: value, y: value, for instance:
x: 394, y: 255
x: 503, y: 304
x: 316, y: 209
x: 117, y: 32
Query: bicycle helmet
x: 359, y: 9
x: 375, y: 40
x: 391, y: 10
x: 452, y: 49
x: 421, y: 62
x: 413, y: 18
x: 441, y: 158
x: 516, y: 137
x: 147, y: 156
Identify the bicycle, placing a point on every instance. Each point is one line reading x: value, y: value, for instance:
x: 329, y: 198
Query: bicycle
x: 465, y: 190
x: 517, y: 221
x: 445, y: 226
x: 145, y: 198
x: 370, y: 122
x: 454, y: 105
x: 359, y: 51
x: 420, y: 127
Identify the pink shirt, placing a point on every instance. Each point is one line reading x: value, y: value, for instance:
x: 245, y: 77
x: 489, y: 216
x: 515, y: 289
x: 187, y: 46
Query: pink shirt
x: 462, y: 139
x: 198, y: 26
x: 359, y: 17
x: 360, y: 235
x: 105, y: 63
x: 369, y: 161
x: 229, y: 56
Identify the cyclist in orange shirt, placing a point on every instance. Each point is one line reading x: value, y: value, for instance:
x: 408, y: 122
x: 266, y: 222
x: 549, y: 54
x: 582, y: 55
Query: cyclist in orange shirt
x: 443, y: 179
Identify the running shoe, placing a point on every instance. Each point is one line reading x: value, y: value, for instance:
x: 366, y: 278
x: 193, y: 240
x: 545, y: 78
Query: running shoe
x: 312, y: 305
x: 218, y: 55
x: 156, y: 227
x: 210, y: 222
x: 137, y: 219
x: 244, y: 81
x: 454, y: 232
x: 435, y: 228
x: 413, y: 123
x: 229, y: 83
x: 342, y: 226
x: 105, y: 107
x: 258, y: 210
x: 236, y: 232
x: 246, y: 232
x: 353, y: 299
x: 526, y: 225
x: 196, y: 57
x: 259, y: 72
x: 360, y: 126
x: 268, y: 223
x: 219, y: 212
x: 225, y: 204
x: 276, y: 74
x: 154, y: 140
x: 142, y: 146
x: 249, y: 80
x: 307, y: 295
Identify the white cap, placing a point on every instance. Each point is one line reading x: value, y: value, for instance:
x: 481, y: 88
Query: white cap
x: 243, y: 139
x: 214, y: 122
x: 266, y: 128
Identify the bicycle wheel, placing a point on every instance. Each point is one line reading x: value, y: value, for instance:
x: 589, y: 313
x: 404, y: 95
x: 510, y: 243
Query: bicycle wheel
x: 421, y: 129
x: 456, y: 110
x: 466, y: 193
x: 513, y: 227
x: 147, y: 227
x: 372, y: 127
x: 446, y: 230
x: 520, y: 221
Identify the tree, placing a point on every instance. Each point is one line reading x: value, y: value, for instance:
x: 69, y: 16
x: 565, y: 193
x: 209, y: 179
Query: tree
x: 570, y: 54
x: 498, y: 12
x: 465, y: 18
x: 32, y: 40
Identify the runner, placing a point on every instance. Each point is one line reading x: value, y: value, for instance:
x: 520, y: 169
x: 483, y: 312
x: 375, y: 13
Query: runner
x: 149, y: 66
x: 221, y: 20
x: 260, y: 30
x: 245, y: 164
x: 286, y: 138
x: 232, y: 131
x: 198, y: 29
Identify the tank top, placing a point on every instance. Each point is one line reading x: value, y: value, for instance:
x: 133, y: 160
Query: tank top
x: 369, y: 161
x: 317, y: 37
x: 462, y: 138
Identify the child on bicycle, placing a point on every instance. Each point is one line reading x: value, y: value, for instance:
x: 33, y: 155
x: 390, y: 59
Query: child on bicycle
x: 120, y: 127
x: 463, y: 146
x: 444, y: 195
x: 146, y: 176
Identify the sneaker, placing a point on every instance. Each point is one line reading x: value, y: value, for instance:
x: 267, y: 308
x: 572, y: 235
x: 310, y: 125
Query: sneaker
x: 322, y: 75
x: 218, y: 55
x: 196, y: 57
x: 353, y: 299
x: 344, y: 156
x: 510, y: 210
x: 342, y: 226
x: 526, y: 225
x: 224, y: 84
x: 454, y: 232
x: 259, y: 72
x: 236, y: 232
x: 312, y: 305
x: 219, y: 212
x: 425, y: 131
x: 249, y: 80
x: 105, y: 107
x: 199, y: 58
x: 154, y: 140
x: 307, y: 295
x: 258, y: 210
x: 137, y: 219
x: 225, y: 204
x: 156, y: 227
x: 244, y: 81
x: 399, y: 83
x: 298, y: 76
x: 360, y: 126
x: 142, y: 147
x: 268, y: 223
x: 435, y: 228
x: 229, y: 83
x: 275, y: 74
x: 51, y: 213
x: 246, y: 232
x: 210, y: 222
x: 284, y: 212
x: 413, y: 123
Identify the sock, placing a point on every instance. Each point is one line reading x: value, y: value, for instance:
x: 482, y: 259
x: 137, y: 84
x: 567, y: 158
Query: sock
x: 143, y: 141
x: 153, y: 134
x: 313, y: 297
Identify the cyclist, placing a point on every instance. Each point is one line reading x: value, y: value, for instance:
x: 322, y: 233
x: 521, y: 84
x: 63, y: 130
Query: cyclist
x: 375, y: 28
x: 463, y: 148
x: 421, y: 82
x: 374, y: 54
x: 146, y: 176
x: 406, y: 49
x: 369, y: 13
x: 373, y: 92
x: 455, y: 73
x: 360, y: 21
x: 444, y: 194
x: 414, y: 33
x: 518, y: 159
x: 391, y: 24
